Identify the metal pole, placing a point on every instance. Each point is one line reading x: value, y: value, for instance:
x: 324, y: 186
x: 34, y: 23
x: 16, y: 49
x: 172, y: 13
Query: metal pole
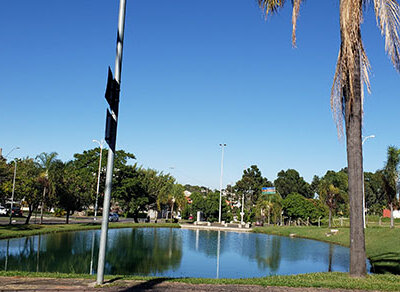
x: 111, y: 150
x: 13, y: 189
x: 98, y: 179
x: 220, y: 182
x: 242, y: 213
x: 363, y: 189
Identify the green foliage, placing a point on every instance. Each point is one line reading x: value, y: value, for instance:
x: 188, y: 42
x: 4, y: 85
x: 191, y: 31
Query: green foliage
x: 6, y: 176
x: 374, y: 192
x: 209, y: 205
x: 390, y: 173
x: 58, y: 212
x: 73, y: 187
x: 251, y: 184
x: 297, y: 206
x: 290, y: 181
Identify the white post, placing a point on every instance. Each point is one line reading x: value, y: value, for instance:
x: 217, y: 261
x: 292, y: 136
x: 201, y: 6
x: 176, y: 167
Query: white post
x: 220, y: 182
x: 98, y: 178
x: 111, y: 150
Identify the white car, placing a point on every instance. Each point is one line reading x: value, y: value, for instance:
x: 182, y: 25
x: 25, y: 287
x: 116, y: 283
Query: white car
x: 3, y: 210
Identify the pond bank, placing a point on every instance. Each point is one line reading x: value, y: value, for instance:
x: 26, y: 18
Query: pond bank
x: 215, y: 228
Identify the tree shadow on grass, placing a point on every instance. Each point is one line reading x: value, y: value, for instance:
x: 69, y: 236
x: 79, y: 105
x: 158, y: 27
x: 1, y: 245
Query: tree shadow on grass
x: 148, y: 285
x: 386, y: 263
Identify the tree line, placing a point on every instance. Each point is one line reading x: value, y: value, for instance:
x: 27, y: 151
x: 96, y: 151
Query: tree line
x: 46, y: 182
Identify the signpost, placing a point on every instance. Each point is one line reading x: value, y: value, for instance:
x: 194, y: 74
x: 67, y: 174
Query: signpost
x: 112, y: 96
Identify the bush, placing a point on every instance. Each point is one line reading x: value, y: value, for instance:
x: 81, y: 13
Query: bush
x: 59, y: 212
x: 296, y: 206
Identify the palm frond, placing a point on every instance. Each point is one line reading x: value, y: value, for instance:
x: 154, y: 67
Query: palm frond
x: 352, y: 60
x: 270, y: 6
x: 387, y: 14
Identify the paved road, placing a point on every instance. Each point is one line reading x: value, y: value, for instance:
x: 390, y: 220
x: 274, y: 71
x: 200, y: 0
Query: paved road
x: 156, y: 285
x: 56, y: 220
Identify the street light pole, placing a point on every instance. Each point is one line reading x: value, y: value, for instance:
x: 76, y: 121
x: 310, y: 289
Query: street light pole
x: 220, y: 182
x: 242, y: 213
x: 13, y: 189
x: 101, y: 144
x: 364, y: 202
x: 111, y: 150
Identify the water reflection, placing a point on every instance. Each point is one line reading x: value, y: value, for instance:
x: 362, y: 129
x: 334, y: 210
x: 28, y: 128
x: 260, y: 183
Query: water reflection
x: 173, y: 253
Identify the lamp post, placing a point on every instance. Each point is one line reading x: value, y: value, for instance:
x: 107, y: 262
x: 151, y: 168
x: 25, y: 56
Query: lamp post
x: 101, y: 144
x: 13, y: 188
x: 364, y: 208
x: 242, y: 213
x: 220, y: 181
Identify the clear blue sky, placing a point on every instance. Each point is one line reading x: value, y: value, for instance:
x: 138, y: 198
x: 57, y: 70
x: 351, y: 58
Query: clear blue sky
x: 195, y: 74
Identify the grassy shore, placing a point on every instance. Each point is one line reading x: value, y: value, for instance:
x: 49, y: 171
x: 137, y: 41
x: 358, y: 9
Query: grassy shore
x: 382, y: 243
x: 11, y: 231
x: 334, y: 280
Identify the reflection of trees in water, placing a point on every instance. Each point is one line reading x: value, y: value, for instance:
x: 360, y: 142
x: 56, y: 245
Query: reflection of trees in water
x: 144, y: 251
x: 206, y: 242
x: 266, y: 251
x: 131, y: 251
x: 61, y: 252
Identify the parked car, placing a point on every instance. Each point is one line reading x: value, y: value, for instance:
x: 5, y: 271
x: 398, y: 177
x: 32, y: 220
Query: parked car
x: 3, y: 211
x: 113, y: 217
x: 16, y: 211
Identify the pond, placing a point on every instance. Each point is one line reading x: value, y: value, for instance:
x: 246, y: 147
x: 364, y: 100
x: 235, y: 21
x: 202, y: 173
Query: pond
x: 171, y: 252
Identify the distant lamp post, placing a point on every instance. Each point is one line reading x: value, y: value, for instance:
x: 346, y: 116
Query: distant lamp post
x: 13, y: 188
x: 220, y: 182
x: 101, y: 144
x: 242, y: 213
x: 364, y: 202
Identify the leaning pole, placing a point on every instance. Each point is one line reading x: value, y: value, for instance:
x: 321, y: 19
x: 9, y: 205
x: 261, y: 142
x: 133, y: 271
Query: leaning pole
x: 112, y: 142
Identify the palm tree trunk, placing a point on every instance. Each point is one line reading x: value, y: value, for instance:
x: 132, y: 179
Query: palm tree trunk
x: 41, y: 209
x: 330, y: 218
x: 391, y: 215
x: 353, y: 120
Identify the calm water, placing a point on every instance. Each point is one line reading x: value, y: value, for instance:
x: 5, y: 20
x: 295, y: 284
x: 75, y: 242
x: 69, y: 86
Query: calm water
x: 173, y: 253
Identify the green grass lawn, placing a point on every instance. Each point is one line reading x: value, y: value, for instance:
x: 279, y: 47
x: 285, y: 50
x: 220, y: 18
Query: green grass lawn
x: 382, y: 243
x: 386, y: 282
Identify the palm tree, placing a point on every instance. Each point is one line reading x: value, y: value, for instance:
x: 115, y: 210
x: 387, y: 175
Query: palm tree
x: 390, y: 176
x: 347, y: 96
x: 329, y: 194
x: 45, y: 161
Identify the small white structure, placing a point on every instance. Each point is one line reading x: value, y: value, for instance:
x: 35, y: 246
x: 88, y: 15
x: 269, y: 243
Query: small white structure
x: 396, y: 213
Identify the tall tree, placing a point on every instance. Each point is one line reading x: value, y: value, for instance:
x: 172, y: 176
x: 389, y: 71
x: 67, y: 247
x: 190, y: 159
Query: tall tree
x: 391, y: 178
x: 45, y: 161
x: 290, y: 181
x: 73, y: 189
x: 329, y: 195
x: 28, y: 185
x: 347, y: 96
x: 251, y: 184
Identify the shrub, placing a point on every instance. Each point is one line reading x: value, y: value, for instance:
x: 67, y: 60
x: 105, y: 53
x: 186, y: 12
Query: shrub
x: 297, y: 206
